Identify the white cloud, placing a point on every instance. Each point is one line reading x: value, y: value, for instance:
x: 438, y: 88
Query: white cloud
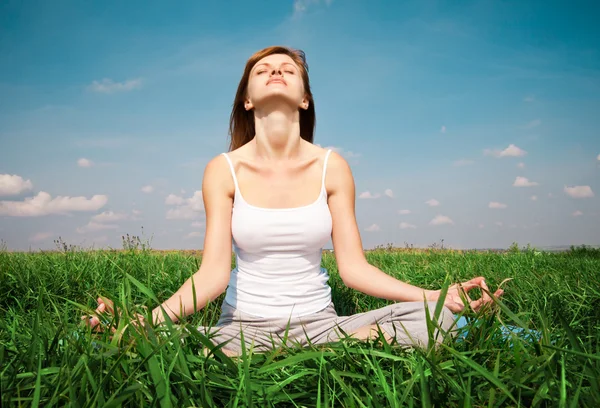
x: 579, y: 191
x: 388, y: 192
x: 93, y: 226
x: 577, y: 213
x: 191, y: 208
x: 510, y: 151
x: 300, y: 6
x: 533, y: 198
x: 496, y: 205
x: 193, y: 234
x: 44, y: 204
x: 481, y: 225
x: 403, y: 212
x: 83, y: 162
x: 373, y: 228
x: 406, y: 225
x: 598, y: 158
x: 443, y: 129
x: 197, y: 224
x: 173, y: 199
x: 147, y: 189
x: 13, y: 184
x: 432, y: 203
x: 524, y: 182
x: 40, y: 236
x: 368, y: 195
x: 108, y: 86
x: 462, y: 162
x: 441, y: 220
x: 498, y: 223
x: 529, y: 98
x: 532, y: 124
x: 110, y: 216
x: 521, y: 165
x: 102, y: 221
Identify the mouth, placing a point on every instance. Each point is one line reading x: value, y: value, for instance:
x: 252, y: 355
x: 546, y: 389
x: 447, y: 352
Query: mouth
x: 275, y: 81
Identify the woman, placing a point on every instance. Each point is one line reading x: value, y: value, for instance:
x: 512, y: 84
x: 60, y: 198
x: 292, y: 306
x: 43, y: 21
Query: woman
x: 280, y: 198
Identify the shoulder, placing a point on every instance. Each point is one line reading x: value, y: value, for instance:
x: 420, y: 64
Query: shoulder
x: 339, y: 175
x: 217, y: 175
x: 220, y: 163
x: 337, y: 163
x: 216, y: 166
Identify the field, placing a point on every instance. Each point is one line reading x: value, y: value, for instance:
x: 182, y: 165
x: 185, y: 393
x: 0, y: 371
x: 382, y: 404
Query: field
x: 47, y: 358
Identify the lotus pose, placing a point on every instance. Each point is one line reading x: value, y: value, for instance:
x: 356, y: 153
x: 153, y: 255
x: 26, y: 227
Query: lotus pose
x: 278, y: 198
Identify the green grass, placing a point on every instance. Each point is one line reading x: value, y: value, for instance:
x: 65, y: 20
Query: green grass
x: 42, y: 362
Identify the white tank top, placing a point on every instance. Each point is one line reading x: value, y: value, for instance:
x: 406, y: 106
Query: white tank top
x: 278, y: 253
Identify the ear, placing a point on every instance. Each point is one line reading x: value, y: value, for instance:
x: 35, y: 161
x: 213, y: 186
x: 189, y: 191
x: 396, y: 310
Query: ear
x: 248, y: 104
x: 304, y: 104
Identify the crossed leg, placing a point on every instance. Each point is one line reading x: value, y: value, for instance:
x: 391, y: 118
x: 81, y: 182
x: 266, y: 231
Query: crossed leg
x: 404, y: 322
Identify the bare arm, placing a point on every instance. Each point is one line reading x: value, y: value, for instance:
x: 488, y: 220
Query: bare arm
x: 212, y: 277
x: 353, y: 267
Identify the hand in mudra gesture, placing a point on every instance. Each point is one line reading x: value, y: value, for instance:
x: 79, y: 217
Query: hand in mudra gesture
x: 454, y: 301
x: 106, y: 308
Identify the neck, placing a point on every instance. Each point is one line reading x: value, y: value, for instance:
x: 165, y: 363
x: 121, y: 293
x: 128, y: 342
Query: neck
x: 277, y: 134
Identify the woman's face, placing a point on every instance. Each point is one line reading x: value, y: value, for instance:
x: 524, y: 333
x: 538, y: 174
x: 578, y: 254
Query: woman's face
x: 275, y: 78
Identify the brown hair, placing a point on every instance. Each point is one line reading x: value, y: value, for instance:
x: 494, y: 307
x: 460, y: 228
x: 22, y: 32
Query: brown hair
x: 241, y: 122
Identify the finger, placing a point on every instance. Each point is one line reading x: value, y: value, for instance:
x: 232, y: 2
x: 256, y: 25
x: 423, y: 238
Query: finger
x: 87, y: 320
x: 109, y: 304
x: 476, y: 304
x: 101, y: 308
x: 481, y: 302
x: 99, y: 314
x: 470, y: 285
x: 485, y: 292
x: 476, y: 281
x: 94, y: 323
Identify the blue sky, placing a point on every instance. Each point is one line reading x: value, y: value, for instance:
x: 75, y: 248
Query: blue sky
x: 475, y: 122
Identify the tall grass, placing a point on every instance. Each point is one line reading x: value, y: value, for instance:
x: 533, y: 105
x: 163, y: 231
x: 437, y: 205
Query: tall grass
x: 48, y: 358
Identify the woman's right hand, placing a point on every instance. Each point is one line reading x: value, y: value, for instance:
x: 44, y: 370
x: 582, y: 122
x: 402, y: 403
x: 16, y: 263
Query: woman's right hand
x: 105, y: 307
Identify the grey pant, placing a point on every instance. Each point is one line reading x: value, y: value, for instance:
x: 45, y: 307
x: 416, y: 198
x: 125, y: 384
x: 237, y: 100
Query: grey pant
x: 403, y: 321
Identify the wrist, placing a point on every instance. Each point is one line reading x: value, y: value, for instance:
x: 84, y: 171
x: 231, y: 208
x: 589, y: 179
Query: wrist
x: 432, y: 295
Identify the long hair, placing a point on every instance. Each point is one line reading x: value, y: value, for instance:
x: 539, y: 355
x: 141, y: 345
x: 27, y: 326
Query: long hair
x: 241, y: 122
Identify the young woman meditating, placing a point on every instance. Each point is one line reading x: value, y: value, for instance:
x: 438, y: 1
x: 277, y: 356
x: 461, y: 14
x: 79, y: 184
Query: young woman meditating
x: 279, y: 198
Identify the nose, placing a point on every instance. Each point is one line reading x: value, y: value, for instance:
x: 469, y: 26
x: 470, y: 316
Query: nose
x: 276, y: 70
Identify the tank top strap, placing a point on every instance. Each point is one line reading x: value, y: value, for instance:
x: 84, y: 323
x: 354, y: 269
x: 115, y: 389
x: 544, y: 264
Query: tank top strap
x: 232, y: 171
x: 325, y: 168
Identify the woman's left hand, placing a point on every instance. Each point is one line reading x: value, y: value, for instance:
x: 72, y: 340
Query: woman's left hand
x: 454, y: 301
